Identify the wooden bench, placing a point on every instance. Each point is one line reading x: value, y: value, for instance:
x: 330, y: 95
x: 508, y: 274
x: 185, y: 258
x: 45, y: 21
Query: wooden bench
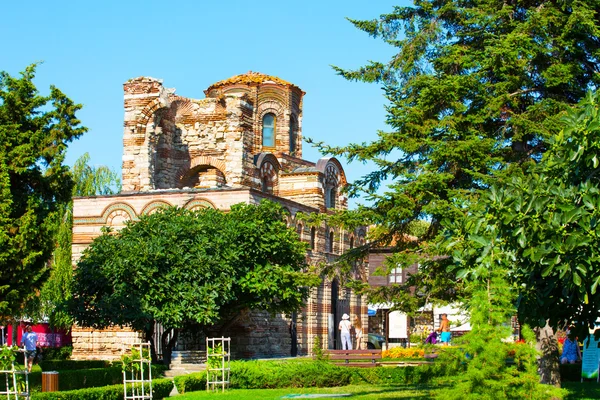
x: 355, y: 358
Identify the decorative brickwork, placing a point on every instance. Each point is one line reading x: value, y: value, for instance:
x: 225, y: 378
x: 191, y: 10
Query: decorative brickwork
x: 209, y: 153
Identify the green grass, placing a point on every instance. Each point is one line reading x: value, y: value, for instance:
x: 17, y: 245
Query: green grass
x: 576, y: 391
x: 582, y: 391
x: 370, y: 392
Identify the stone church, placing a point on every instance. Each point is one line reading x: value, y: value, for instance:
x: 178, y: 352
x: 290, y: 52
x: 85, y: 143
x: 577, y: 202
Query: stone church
x: 241, y: 143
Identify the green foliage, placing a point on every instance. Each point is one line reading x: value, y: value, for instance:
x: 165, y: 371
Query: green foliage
x: 214, y: 357
x: 62, y: 365
x: 34, y: 183
x: 88, y: 181
x: 161, y: 389
x: 317, y: 349
x: 281, y: 374
x: 8, y: 355
x: 134, y: 362
x: 475, y: 89
x: 546, y: 224
x: 194, y: 267
x: 84, y: 377
x: 57, y: 353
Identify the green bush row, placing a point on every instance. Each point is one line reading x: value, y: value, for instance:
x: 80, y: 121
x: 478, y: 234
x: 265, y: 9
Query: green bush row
x: 161, y: 389
x: 62, y: 365
x: 281, y: 374
x: 85, y: 378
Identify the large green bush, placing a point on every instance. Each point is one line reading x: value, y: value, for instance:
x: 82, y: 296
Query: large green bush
x: 282, y: 374
x: 161, y: 389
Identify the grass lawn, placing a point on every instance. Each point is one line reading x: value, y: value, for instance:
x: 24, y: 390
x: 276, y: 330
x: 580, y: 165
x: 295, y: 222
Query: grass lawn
x: 582, y: 391
x: 577, y: 391
x: 358, y: 392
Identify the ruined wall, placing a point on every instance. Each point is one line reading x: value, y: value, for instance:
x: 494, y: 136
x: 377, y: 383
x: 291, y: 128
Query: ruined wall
x: 105, y: 344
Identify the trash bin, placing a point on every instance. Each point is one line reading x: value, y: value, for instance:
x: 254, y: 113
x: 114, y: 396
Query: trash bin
x: 50, y: 381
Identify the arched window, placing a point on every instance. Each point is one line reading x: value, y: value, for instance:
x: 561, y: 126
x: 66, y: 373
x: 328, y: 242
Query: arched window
x: 330, y: 242
x: 313, y: 239
x: 300, y: 229
x: 268, y: 130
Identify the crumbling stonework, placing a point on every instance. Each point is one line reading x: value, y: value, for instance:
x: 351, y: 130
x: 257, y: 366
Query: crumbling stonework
x: 242, y: 143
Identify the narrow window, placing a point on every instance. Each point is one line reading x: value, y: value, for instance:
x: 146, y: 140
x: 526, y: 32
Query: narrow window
x: 313, y: 234
x: 330, y: 244
x: 352, y: 242
x: 268, y: 130
x: 292, y: 135
x: 332, y: 195
x: 300, y: 229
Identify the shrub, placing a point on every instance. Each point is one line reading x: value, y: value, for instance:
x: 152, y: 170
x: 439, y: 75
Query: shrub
x: 401, y: 352
x: 62, y: 365
x: 87, y: 378
x: 283, y: 374
x: 161, y: 389
x: 57, y: 353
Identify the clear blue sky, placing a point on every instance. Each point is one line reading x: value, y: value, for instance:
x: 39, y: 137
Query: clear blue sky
x: 89, y: 49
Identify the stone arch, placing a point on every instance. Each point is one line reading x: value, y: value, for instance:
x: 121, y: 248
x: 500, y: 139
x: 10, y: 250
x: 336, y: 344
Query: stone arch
x: 325, y: 162
x: 116, y: 214
x: 198, y: 203
x: 154, y: 206
x: 148, y: 112
x: 184, y: 175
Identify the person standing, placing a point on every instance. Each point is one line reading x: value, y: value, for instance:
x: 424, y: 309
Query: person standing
x: 29, y: 341
x: 358, y: 332
x: 444, y: 329
x: 344, y: 327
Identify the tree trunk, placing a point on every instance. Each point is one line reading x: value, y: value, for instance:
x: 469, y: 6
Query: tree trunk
x: 149, y: 337
x: 168, y: 344
x: 548, y: 359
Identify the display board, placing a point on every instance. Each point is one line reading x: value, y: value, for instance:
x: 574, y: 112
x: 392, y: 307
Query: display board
x: 590, y: 358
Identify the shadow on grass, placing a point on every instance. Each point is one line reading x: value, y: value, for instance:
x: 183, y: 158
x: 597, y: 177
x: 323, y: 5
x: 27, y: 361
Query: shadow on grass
x: 582, y: 390
x: 404, y: 392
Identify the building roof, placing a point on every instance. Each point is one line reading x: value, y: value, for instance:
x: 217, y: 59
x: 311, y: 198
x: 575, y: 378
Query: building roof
x: 250, y: 78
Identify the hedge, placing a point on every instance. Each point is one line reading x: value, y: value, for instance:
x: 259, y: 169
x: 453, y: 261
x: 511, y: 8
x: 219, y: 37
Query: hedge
x: 62, y: 365
x: 86, y: 378
x: 161, y: 389
x: 282, y: 374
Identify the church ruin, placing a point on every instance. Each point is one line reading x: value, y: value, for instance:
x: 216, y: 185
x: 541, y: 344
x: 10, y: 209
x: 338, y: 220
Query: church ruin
x: 241, y: 143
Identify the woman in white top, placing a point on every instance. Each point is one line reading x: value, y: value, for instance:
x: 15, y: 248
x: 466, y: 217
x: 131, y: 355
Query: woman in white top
x: 344, y: 327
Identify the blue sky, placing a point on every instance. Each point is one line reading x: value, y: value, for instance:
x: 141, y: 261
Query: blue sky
x: 89, y: 49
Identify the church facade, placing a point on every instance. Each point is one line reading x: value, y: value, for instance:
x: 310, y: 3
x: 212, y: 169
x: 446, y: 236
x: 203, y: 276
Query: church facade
x: 241, y: 143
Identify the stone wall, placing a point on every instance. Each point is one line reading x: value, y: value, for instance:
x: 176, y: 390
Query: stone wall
x: 105, y: 344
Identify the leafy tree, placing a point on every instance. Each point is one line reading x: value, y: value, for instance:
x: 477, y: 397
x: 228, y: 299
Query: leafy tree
x: 34, y: 183
x: 475, y: 90
x: 183, y: 268
x: 547, y: 222
x: 88, y: 181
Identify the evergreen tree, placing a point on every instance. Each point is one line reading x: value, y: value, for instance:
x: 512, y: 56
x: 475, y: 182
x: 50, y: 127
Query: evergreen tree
x: 475, y: 90
x: 34, y: 183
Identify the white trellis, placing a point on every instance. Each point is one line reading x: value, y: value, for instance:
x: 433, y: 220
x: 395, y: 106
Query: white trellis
x: 16, y: 388
x: 218, y: 358
x: 137, y: 373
